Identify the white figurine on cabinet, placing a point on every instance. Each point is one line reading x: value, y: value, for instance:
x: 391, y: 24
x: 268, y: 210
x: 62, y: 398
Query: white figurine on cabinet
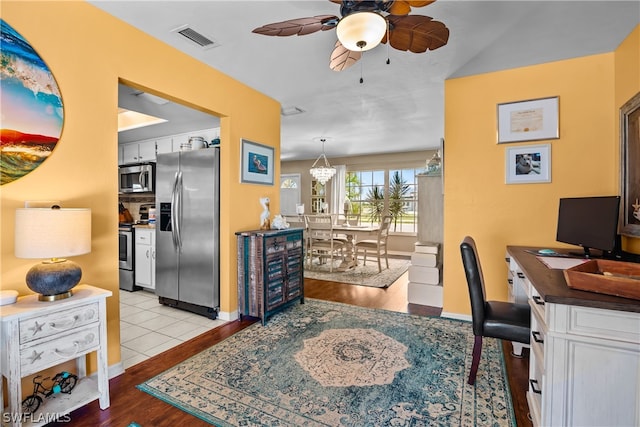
x: 265, y: 223
x: 279, y: 223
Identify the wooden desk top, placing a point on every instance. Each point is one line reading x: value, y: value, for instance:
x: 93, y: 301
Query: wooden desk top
x: 552, y: 286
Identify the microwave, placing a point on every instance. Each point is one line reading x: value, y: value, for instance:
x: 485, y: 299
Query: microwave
x: 137, y: 178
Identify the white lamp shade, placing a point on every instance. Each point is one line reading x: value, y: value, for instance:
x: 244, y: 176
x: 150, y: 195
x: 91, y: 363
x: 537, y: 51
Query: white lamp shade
x: 361, y: 31
x: 52, y: 233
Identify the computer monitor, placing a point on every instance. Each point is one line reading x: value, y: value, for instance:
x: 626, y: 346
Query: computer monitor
x: 590, y: 222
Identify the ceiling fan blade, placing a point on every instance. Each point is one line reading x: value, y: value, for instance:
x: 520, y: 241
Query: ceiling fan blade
x: 343, y: 58
x: 299, y: 26
x: 403, y: 7
x: 419, y: 3
x: 400, y: 8
x: 416, y: 33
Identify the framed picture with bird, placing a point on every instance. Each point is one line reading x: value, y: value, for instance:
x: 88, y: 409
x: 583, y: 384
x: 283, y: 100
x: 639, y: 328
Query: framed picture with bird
x: 256, y: 163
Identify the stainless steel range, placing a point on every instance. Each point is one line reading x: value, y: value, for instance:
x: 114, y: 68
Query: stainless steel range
x: 125, y: 244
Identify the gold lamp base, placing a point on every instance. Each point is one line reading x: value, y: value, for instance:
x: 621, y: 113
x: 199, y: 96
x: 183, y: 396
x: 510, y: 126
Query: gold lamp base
x: 56, y: 297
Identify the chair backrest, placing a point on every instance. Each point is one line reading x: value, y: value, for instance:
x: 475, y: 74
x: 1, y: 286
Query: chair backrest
x: 383, y: 231
x: 295, y: 221
x: 351, y: 219
x: 475, y: 281
x: 319, y: 226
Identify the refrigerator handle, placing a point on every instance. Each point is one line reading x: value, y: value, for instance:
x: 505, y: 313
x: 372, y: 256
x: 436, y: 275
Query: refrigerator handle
x: 179, y: 211
x: 174, y: 217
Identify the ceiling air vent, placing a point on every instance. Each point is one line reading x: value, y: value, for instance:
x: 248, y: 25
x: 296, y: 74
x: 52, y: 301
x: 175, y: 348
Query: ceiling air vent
x: 291, y: 111
x: 196, y: 37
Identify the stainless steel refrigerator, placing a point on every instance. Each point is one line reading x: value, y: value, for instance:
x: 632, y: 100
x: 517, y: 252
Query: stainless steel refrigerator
x: 187, y: 230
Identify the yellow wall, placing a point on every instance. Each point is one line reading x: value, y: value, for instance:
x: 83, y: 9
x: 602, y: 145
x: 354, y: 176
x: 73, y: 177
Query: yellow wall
x: 627, y: 63
x: 88, y: 51
x: 585, y: 159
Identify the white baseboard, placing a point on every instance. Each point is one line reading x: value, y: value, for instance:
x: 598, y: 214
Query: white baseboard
x: 400, y: 254
x: 228, y: 315
x: 456, y: 316
x: 113, y: 371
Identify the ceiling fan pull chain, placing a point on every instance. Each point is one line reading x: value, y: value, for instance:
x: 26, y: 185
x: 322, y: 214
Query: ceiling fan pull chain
x: 388, y: 42
x: 361, y: 67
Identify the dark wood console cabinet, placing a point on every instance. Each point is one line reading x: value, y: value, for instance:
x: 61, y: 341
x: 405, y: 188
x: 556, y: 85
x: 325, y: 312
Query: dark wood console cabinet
x: 270, y: 274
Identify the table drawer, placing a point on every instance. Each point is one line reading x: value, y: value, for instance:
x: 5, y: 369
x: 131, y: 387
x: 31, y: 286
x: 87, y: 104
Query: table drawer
x: 34, y: 358
x: 39, y: 327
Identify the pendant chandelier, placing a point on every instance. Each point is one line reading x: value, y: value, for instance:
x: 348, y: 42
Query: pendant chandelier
x: 322, y: 173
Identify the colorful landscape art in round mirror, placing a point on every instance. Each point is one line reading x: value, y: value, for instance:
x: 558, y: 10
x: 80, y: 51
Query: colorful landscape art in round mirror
x: 32, y: 110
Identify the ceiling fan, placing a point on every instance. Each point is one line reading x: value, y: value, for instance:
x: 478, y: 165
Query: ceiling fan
x: 366, y: 23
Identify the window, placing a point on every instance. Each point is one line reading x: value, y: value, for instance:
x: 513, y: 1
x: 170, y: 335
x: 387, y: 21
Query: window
x: 374, y: 193
x: 318, y: 195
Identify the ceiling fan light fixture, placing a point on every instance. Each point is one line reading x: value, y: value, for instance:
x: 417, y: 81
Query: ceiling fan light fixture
x: 361, y: 31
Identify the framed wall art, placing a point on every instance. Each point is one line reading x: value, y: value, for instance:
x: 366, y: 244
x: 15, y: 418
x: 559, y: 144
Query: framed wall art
x: 531, y: 120
x: 528, y: 164
x: 629, y: 171
x: 256, y: 163
x: 32, y: 109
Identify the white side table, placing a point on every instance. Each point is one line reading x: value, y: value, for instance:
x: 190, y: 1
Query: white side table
x: 37, y: 335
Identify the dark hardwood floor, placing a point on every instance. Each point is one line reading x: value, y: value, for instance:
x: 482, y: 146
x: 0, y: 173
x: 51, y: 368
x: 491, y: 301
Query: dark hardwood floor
x: 128, y: 404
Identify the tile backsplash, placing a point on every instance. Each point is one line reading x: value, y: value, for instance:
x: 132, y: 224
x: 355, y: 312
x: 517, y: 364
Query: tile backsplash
x: 132, y: 203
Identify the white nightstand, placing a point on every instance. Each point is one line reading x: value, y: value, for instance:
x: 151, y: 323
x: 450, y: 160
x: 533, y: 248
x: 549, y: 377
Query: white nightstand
x: 37, y: 335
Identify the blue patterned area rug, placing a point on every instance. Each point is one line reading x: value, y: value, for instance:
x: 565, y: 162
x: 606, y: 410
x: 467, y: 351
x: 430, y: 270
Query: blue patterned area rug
x: 331, y: 364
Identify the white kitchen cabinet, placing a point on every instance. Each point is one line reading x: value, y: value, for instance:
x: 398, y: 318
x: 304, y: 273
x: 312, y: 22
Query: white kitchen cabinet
x: 164, y: 145
x: 138, y: 152
x: 145, y: 257
x: 130, y: 153
x: 121, y: 154
x: 584, y: 362
x: 179, y: 140
x: 147, y: 151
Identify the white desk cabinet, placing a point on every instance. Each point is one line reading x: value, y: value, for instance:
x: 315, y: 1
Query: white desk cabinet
x: 584, y: 362
x: 37, y: 335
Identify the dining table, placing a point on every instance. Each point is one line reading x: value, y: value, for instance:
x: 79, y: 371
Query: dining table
x: 352, y: 233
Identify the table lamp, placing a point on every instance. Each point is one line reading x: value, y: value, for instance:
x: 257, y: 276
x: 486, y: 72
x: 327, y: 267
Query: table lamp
x: 52, y: 233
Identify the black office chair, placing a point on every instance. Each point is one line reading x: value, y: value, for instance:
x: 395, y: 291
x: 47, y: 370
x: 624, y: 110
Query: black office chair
x: 496, y: 319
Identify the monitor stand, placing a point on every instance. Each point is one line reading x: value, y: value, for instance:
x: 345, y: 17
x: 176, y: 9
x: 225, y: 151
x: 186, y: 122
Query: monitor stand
x: 586, y: 254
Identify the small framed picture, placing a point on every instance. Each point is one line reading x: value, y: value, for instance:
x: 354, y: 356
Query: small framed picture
x: 256, y: 163
x: 531, y: 120
x: 528, y: 164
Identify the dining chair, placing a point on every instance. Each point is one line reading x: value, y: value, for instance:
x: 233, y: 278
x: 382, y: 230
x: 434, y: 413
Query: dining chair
x: 379, y: 244
x: 495, y: 319
x: 298, y: 221
x: 322, y: 243
x: 351, y: 219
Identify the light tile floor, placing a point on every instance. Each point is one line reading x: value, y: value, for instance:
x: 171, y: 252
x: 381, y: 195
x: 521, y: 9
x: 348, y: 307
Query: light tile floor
x: 148, y: 327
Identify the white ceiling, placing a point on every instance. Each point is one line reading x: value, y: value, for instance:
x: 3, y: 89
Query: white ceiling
x: 399, y: 107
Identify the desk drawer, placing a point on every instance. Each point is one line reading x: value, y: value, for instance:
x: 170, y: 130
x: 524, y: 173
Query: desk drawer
x: 39, y: 327
x: 34, y: 358
x: 606, y: 324
x: 538, y: 338
x: 537, y: 304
